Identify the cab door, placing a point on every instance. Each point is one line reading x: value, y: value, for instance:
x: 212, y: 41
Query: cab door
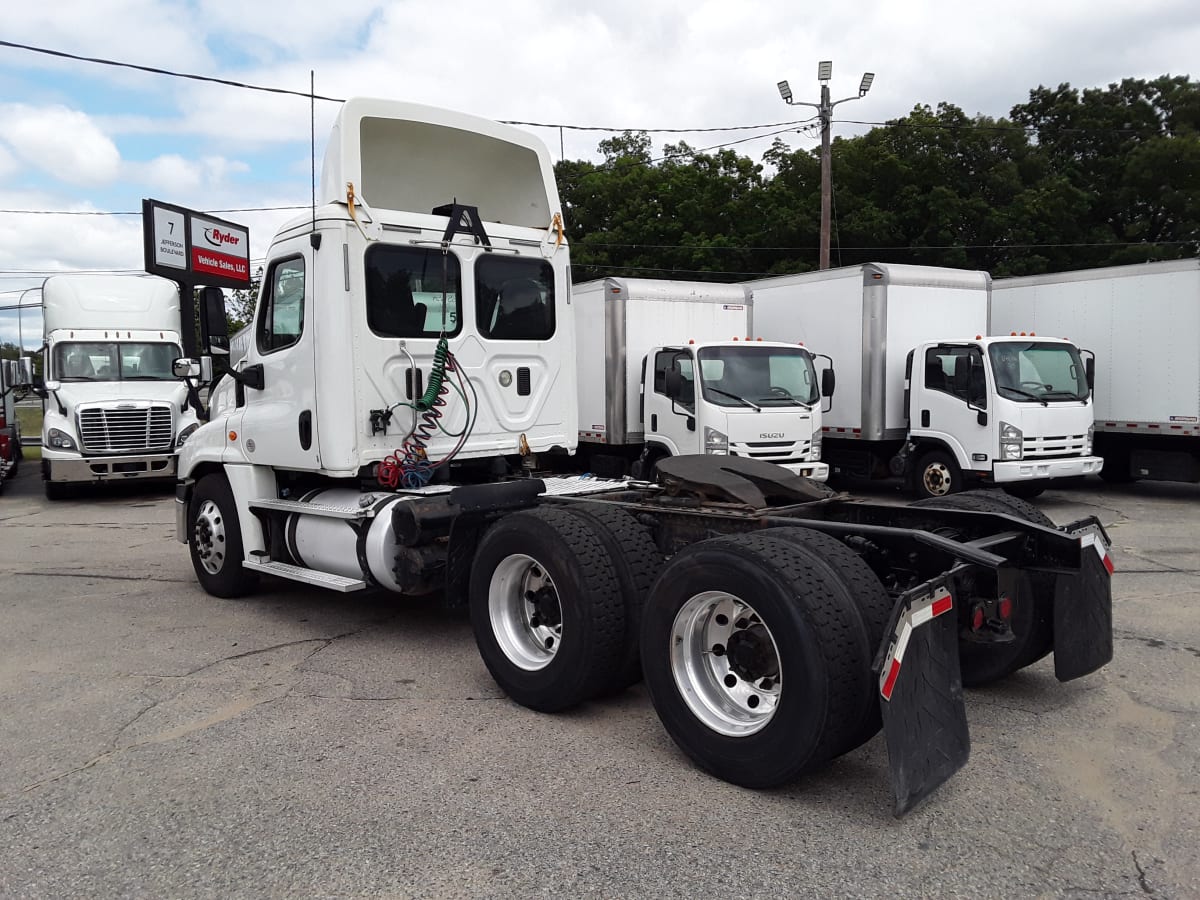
x: 669, y: 401
x: 949, y: 401
x: 278, y: 424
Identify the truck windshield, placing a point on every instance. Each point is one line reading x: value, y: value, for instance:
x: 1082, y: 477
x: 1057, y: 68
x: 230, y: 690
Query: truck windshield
x: 758, y: 376
x: 114, y: 361
x: 1036, y: 371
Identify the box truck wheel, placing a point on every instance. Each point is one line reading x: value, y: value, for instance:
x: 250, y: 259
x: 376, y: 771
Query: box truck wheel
x: 546, y: 608
x: 1033, y: 611
x: 937, y: 475
x: 637, y: 562
x: 872, y: 604
x: 755, y: 659
x: 215, y: 539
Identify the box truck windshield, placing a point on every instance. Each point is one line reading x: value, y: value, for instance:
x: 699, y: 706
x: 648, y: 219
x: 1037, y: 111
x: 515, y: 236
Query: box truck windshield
x: 733, y: 376
x: 1038, y: 371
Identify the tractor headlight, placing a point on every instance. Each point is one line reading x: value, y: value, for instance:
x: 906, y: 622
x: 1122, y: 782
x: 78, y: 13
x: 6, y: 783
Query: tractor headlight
x: 1091, y: 435
x: 60, y: 440
x: 185, y: 434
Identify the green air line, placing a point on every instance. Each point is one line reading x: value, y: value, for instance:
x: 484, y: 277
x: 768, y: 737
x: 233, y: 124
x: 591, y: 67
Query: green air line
x: 436, y: 375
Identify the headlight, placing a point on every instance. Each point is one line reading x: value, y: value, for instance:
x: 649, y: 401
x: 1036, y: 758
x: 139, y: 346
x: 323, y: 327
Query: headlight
x: 60, y: 440
x: 186, y: 433
x: 1087, y: 447
x: 715, y: 441
x: 1011, y: 439
x: 816, y: 445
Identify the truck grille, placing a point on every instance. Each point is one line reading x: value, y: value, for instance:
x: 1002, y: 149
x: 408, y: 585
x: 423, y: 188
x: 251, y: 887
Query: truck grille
x: 126, y: 430
x: 1054, y: 445
x: 772, y: 451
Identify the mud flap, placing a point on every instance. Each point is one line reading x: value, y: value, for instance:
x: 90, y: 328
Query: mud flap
x: 921, y: 695
x: 1083, y: 635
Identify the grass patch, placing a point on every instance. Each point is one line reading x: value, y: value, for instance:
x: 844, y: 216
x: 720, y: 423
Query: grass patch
x: 30, y: 418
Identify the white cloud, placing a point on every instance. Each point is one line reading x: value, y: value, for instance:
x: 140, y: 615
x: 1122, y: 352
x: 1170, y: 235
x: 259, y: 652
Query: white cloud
x: 64, y: 143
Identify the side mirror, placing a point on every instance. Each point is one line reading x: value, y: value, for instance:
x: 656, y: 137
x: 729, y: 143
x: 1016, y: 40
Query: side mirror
x: 25, y: 364
x: 1089, y: 372
x: 193, y: 368
x: 828, y: 382
x: 673, y: 383
x: 212, y: 308
x: 962, y: 374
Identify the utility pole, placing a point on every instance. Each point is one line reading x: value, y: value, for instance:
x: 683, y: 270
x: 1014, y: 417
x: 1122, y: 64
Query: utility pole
x: 825, y: 113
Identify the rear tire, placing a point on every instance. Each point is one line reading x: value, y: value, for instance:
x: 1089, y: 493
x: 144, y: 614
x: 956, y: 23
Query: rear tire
x: 872, y: 603
x: 1032, y: 621
x: 755, y: 658
x: 546, y: 608
x: 637, y: 561
x: 215, y: 539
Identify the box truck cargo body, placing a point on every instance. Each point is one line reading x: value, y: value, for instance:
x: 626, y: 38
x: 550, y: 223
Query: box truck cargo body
x: 922, y: 392
x: 113, y: 409
x: 665, y: 370
x: 1143, y: 324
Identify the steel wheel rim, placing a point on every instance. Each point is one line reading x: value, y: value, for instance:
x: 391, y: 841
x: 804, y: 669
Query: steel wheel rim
x: 719, y: 689
x: 937, y: 479
x: 525, y: 612
x: 209, y: 537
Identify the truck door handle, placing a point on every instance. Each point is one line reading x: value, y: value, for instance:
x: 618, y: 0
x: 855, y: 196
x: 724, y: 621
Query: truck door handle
x: 654, y: 421
x: 924, y: 418
x: 305, y: 427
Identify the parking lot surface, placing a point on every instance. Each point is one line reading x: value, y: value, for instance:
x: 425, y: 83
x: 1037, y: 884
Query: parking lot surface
x: 161, y: 742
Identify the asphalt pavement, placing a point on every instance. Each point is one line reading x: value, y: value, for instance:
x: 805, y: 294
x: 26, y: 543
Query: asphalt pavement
x: 160, y: 742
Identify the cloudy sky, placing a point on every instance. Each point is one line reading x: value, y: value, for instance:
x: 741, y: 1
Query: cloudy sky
x: 80, y: 137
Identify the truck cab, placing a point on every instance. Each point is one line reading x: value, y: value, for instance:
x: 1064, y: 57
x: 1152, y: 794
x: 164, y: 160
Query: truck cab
x: 112, y: 408
x: 1014, y: 411
x: 753, y: 399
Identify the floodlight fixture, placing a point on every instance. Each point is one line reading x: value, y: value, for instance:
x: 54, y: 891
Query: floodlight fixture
x: 868, y: 77
x: 825, y: 70
x: 785, y: 91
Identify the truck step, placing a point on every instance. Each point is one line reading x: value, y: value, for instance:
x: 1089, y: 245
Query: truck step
x: 308, y: 576
x: 314, y: 509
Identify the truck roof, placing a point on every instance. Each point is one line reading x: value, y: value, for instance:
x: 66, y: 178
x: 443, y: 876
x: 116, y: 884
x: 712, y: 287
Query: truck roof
x: 126, y: 302
x: 406, y: 156
x: 886, y: 273
x: 665, y: 289
x: 1129, y: 271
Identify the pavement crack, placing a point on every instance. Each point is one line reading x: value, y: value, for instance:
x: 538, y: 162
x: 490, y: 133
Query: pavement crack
x: 1141, y: 874
x: 77, y: 574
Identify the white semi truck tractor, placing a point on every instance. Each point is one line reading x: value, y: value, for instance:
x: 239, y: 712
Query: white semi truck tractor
x: 112, y: 408
x: 406, y: 418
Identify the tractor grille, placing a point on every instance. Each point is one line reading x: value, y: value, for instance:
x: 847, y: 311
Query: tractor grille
x: 141, y: 428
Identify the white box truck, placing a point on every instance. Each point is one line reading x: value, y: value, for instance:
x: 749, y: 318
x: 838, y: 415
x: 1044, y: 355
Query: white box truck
x: 1143, y: 324
x: 112, y: 408
x: 923, y: 392
x: 665, y: 369
x: 406, y: 418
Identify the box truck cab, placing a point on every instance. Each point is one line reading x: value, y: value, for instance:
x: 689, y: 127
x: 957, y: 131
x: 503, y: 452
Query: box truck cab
x: 112, y: 408
x: 708, y: 391
x: 923, y: 394
x: 1013, y: 411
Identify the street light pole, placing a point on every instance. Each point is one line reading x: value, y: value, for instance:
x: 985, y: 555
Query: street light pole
x: 825, y: 114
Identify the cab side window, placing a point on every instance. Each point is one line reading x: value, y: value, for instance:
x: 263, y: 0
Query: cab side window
x: 281, y: 320
x: 957, y: 371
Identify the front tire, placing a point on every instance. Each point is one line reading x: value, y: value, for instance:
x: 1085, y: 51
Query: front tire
x: 754, y: 658
x: 546, y: 608
x: 215, y: 539
x: 937, y: 475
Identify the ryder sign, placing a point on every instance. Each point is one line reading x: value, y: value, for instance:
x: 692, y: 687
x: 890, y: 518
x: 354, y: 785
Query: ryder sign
x: 193, y: 247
